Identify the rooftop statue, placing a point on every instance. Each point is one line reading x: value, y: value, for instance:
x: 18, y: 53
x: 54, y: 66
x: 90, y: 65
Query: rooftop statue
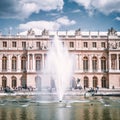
x: 31, y: 32
x: 112, y: 32
x: 45, y: 32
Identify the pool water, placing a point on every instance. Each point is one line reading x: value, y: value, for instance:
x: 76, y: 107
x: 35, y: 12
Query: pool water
x: 49, y: 108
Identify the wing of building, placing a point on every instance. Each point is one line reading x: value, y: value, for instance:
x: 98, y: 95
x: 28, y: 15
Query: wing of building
x: 97, y: 57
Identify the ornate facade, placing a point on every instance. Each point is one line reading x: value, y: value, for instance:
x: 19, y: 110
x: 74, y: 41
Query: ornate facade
x: 97, y: 57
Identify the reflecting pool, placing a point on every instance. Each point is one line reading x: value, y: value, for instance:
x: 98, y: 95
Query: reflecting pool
x: 48, y: 108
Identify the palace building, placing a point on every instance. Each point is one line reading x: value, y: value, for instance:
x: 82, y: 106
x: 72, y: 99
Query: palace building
x: 97, y: 57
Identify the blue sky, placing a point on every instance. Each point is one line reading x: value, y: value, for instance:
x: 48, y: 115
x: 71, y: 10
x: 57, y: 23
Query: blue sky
x: 21, y: 15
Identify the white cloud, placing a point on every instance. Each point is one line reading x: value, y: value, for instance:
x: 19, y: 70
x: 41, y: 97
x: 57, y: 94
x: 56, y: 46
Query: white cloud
x: 76, y: 11
x: 104, y: 6
x: 117, y: 18
x: 49, y: 25
x: 65, y: 21
x: 24, y: 8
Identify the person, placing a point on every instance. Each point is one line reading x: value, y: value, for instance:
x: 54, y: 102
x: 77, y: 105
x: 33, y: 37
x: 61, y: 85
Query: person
x: 113, y: 87
x: 84, y: 87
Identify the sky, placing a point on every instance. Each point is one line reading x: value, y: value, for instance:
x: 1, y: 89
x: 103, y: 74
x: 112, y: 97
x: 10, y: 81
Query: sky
x: 88, y: 15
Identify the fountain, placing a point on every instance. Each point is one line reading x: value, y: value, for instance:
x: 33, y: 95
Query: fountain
x: 58, y: 67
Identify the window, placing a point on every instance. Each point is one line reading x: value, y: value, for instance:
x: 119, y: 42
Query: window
x: 14, y: 82
x: 71, y: 44
x: 38, y: 45
x: 94, y: 64
x: 85, y: 64
x: 95, y: 82
x: 94, y: 45
x: 104, y: 82
x: 103, y: 44
x: 4, y: 44
x: 38, y: 63
x: 14, y: 63
x: 86, y: 82
x: 4, y: 63
x: 103, y: 64
x: 23, y: 63
x: 24, y: 81
x: 4, y: 81
x: 85, y: 44
x: 14, y: 44
x: 114, y: 61
x: 24, y: 45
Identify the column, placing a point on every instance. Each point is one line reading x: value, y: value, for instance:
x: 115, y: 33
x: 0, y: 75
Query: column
x: 33, y: 62
x: 99, y: 64
x: 28, y: 62
x: 76, y: 63
x: 9, y: 62
x: 117, y: 62
x: 43, y: 60
x: 0, y: 63
x: 80, y: 63
x: 18, y: 63
x: 109, y: 62
x: 90, y: 63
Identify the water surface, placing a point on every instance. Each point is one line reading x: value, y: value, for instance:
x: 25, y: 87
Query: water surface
x: 48, y: 108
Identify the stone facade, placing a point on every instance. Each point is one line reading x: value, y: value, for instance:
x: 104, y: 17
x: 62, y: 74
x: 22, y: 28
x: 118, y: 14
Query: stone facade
x: 97, y: 57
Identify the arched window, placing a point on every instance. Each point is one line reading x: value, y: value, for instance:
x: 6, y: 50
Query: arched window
x: 4, y: 81
x: 14, y: 82
x: 95, y: 82
x: 24, y: 81
x: 4, y: 63
x: 86, y: 82
x: 104, y: 82
x: 38, y: 82
x: 113, y: 61
x: 14, y: 63
x: 94, y: 64
x: 85, y: 64
x: 23, y: 63
x: 38, y: 63
x: 103, y: 64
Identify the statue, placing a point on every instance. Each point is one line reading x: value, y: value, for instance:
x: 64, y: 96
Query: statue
x: 78, y: 32
x: 112, y: 32
x: 31, y: 32
x: 45, y: 32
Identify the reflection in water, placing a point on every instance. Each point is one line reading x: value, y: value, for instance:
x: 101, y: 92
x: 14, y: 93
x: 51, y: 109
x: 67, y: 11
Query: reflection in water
x: 106, y: 114
x: 95, y: 113
x: 86, y: 114
x: 94, y: 110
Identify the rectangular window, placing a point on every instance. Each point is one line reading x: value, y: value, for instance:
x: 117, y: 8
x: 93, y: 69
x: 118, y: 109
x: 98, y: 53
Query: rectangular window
x: 119, y: 44
x: 103, y: 44
x: 38, y: 45
x: 24, y: 44
x: 4, y: 44
x: 85, y: 44
x: 14, y: 44
x: 94, y: 45
x: 71, y: 44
